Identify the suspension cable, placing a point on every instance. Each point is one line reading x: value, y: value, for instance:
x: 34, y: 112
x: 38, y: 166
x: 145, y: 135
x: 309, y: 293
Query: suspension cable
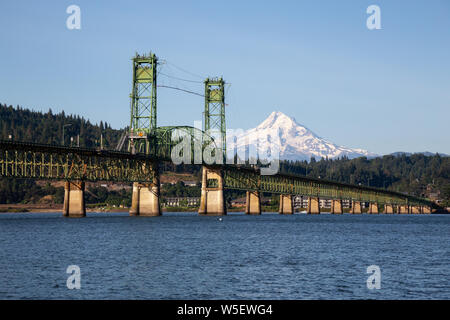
x: 175, y: 88
x: 194, y: 81
x: 188, y: 72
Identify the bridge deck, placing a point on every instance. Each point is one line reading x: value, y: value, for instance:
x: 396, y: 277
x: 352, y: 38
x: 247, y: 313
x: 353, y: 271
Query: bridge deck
x: 40, y: 161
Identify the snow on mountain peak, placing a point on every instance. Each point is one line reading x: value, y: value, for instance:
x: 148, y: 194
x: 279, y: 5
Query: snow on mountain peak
x: 277, y: 119
x: 296, y: 142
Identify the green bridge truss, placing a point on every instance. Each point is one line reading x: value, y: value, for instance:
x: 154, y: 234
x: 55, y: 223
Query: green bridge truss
x: 169, y: 137
x: 38, y: 161
x: 149, y: 144
x: 249, y: 179
x: 41, y: 161
x: 48, y: 162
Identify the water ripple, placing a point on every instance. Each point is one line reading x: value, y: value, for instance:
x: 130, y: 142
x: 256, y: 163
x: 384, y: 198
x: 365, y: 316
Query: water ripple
x: 184, y: 256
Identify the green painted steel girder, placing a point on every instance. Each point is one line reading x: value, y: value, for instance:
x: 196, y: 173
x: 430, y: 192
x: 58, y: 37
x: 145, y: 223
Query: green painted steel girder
x: 47, y: 162
x: 170, y: 136
x: 40, y: 161
x: 242, y: 178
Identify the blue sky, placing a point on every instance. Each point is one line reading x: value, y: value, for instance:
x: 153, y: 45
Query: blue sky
x: 383, y: 90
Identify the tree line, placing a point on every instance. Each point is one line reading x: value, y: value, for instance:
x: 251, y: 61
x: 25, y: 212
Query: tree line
x: 31, y: 126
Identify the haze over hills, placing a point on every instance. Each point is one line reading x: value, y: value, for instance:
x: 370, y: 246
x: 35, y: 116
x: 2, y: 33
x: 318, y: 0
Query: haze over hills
x: 296, y: 142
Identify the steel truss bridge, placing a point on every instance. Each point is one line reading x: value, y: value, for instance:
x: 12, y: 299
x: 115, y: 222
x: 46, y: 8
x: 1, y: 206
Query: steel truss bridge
x: 149, y: 144
x: 51, y: 162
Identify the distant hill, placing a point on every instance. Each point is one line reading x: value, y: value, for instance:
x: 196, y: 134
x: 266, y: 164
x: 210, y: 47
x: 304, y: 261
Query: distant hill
x: 426, y: 153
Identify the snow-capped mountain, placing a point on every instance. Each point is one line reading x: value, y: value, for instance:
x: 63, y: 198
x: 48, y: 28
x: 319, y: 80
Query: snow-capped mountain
x: 294, y: 141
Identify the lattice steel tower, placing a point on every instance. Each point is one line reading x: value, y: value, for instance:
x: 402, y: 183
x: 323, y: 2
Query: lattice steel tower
x: 143, y: 104
x: 214, y: 114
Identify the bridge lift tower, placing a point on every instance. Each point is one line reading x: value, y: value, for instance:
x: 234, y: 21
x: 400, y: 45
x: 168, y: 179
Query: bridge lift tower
x: 214, y: 114
x: 143, y: 104
x: 142, y: 134
x: 212, y: 200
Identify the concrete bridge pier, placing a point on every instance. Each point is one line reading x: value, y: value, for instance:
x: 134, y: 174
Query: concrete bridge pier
x: 74, y: 205
x: 253, y: 203
x: 388, y: 208
x: 145, y: 200
x: 356, y: 207
x: 313, y: 205
x: 416, y: 209
x: 403, y: 209
x: 336, y: 207
x: 212, y: 201
x: 373, y: 208
x: 286, y: 204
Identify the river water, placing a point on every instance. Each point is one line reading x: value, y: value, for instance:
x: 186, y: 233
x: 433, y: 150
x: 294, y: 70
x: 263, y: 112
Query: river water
x: 185, y: 256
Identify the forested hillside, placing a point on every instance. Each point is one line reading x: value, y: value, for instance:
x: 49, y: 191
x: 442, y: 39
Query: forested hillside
x: 416, y: 174
x: 31, y: 126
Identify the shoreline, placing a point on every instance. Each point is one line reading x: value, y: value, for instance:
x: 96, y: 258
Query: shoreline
x: 55, y: 208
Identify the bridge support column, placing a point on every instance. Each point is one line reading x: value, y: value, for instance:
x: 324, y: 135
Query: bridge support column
x: 373, y: 208
x: 426, y: 210
x: 74, y: 205
x: 336, y: 207
x: 253, y: 203
x: 313, y: 205
x: 388, y: 208
x: 416, y: 209
x: 212, y: 201
x: 356, y: 207
x: 145, y: 200
x: 286, y: 204
x: 403, y: 209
